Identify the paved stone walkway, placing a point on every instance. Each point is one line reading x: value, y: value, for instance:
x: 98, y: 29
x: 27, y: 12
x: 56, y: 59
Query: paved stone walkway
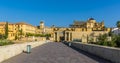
x: 54, y: 53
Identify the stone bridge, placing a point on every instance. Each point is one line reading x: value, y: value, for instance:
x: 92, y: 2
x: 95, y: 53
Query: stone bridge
x: 54, y: 52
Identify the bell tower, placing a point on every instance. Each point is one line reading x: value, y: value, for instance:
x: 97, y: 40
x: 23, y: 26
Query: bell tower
x: 41, y: 25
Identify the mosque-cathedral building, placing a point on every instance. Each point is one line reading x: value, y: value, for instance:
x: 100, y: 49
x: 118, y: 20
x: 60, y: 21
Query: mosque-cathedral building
x: 79, y: 30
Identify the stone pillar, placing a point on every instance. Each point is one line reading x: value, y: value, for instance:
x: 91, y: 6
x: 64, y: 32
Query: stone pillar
x: 58, y: 37
x: 69, y: 36
x: 54, y: 36
x: 65, y: 37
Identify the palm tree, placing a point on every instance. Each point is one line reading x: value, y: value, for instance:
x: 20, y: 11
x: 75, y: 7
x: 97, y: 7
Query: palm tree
x: 118, y: 24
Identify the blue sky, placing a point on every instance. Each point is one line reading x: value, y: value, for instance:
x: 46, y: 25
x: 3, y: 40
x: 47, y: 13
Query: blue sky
x: 59, y: 12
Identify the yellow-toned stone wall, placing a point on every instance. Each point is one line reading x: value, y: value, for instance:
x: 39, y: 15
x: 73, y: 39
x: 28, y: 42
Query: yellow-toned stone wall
x: 86, y: 34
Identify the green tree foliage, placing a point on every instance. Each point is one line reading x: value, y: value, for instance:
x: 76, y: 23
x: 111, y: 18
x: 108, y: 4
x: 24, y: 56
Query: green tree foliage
x: 29, y: 34
x: 90, y: 40
x: 102, y: 39
x: 110, y: 33
x: 6, y: 30
x: 117, y: 41
x: 118, y: 24
x: 112, y: 43
x: 47, y: 35
x: 38, y: 35
x: 2, y: 36
x: 20, y: 33
x: 16, y: 37
x: 5, y: 42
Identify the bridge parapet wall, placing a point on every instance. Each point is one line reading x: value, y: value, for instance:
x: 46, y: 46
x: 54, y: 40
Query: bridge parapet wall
x: 9, y: 51
x: 109, y: 53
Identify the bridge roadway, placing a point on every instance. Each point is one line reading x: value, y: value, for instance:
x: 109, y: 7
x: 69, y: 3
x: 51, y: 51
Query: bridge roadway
x: 53, y: 52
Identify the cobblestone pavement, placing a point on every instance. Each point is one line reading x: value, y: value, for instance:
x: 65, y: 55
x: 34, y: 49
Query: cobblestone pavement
x: 53, y: 52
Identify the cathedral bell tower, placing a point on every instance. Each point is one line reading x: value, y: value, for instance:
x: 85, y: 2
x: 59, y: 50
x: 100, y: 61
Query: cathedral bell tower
x: 41, y: 25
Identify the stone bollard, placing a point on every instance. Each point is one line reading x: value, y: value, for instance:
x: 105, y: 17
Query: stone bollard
x: 28, y: 49
x: 69, y: 44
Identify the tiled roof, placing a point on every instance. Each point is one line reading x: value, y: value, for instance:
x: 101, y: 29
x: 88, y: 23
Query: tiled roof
x: 79, y: 22
x: 24, y: 23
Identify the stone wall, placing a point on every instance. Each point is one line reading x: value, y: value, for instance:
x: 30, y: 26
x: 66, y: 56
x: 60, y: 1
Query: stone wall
x: 85, y: 36
x: 33, y: 38
x: 15, y: 49
x: 109, y: 53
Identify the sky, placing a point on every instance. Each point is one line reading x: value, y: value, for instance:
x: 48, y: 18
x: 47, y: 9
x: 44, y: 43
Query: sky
x: 60, y: 12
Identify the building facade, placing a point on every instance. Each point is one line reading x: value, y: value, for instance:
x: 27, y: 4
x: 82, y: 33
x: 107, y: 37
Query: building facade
x: 42, y: 29
x: 11, y: 30
x: 21, y: 29
x: 81, y: 30
x: 17, y: 29
x: 116, y: 31
x: 84, y: 31
x: 26, y: 28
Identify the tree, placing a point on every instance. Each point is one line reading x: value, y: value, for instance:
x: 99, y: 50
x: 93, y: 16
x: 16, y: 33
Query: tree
x: 30, y: 34
x: 118, y: 24
x: 112, y: 43
x: 21, y: 33
x: 16, y: 37
x: 1, y: 36
x: 110, y: 33
x: 6, y: 30
x: 102, y: 39
x: 118, y: 41
x: 91, y: 40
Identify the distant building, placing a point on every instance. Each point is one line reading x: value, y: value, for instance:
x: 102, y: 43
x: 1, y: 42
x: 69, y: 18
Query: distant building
x: 116, y: 30
x: 81, y: 30
x: 90, y: 23
x: 15, y: 28
x: 84, y: 31
x: 25, y: 28
x: 11, y: 30
x: 42, y: 29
